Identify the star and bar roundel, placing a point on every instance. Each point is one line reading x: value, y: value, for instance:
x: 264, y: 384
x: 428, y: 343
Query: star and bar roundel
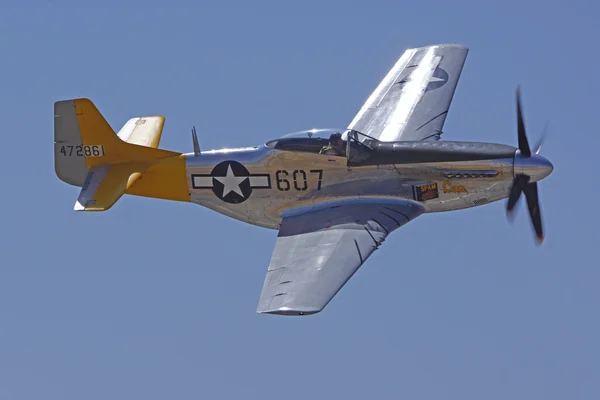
x: 231, y: 182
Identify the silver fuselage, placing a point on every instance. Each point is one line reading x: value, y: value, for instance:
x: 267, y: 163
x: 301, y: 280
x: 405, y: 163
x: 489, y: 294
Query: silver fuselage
x: 287, y: 179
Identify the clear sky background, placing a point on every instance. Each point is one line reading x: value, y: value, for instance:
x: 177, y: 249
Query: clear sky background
x: 156, y: 300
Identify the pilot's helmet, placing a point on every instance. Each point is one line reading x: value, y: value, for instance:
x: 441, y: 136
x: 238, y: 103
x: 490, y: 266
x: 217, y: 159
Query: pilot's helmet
x: 335, y: 137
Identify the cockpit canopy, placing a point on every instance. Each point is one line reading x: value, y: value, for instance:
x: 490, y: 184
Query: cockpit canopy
x: 314, y: 140
x: 311, y: 140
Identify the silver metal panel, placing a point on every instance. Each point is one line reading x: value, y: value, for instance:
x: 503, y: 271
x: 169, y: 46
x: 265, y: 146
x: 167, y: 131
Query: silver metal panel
x: 69, y: 167
x: 318, y: 250
x: 412, y: 101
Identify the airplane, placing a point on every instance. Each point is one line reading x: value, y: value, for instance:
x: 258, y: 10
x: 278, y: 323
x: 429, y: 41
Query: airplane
x: 334, y: 195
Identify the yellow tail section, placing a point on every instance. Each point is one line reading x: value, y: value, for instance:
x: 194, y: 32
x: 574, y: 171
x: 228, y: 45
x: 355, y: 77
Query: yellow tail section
x: 88, y: 153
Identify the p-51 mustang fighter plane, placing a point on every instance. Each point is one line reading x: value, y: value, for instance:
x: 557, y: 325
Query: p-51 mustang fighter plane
x: 333, y: 195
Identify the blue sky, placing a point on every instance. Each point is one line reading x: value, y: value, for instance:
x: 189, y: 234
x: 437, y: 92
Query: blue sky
x: 156, y: 300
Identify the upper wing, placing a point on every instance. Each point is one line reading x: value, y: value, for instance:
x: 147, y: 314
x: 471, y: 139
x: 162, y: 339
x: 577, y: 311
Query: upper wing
x: 413, y: 99
x: 317, y: 251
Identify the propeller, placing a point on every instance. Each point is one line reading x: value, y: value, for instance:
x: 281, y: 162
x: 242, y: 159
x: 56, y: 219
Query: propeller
x: 529, y: 168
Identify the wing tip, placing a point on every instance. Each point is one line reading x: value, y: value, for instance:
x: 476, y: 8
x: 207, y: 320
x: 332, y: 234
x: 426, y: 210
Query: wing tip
x: 286, y: 311
x: 443, y: 45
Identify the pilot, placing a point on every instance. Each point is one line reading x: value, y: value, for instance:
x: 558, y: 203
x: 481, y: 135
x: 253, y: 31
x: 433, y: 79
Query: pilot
x: 336, y: 146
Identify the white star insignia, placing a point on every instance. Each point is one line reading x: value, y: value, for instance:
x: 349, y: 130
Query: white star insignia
x: 231, y: 182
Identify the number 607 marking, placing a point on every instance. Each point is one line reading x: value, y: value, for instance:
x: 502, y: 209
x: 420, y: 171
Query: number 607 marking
x: 298, y: 177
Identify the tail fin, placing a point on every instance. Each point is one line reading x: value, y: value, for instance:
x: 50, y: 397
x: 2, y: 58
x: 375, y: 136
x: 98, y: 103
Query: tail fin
x: 88, y: 153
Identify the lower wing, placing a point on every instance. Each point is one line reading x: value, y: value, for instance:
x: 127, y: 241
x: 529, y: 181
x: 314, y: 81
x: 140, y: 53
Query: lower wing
x: 317, y: 251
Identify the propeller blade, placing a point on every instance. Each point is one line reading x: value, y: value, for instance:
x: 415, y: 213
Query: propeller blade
x: 515, y: 193
x: 523, y: 142
x: 531, y: 194
x: 519, y: 183
x: 538, y: 147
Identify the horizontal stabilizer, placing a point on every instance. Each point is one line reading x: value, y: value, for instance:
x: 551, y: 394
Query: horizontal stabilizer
x: 143, y: 131
x: 105, y: 184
